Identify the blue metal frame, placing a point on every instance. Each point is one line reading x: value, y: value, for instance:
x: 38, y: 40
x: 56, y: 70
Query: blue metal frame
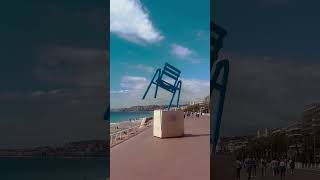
x: 222, y: 65
x: 217, y: 109
x: 216, y: 67
x: 171, y: 72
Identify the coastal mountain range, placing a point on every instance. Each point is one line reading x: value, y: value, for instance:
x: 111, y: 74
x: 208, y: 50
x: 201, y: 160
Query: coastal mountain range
x: 141, y: 108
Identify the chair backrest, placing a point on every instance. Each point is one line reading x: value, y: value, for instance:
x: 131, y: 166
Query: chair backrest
x: 171, y: 72
x: 218, y: 33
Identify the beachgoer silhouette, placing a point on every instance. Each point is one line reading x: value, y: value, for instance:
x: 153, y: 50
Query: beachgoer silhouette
x: 248, y: 163
x: 282, y: 166
x: 238, y: 168
x: 254, y: 167
x: 292, y: 166
x: 263, y: 164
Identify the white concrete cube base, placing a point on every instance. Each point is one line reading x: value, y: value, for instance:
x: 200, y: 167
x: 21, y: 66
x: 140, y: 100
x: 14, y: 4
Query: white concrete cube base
x: 168, y: 123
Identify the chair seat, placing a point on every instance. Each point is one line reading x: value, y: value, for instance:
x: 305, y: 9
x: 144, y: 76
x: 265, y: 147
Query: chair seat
x: 166, y: 85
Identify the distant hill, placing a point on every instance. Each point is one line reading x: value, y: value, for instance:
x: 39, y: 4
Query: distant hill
x: 89, y: 148
x: 141, y: 108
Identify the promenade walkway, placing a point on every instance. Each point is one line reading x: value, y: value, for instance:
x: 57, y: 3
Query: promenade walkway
x: 144, y: 157
x: 225, y: 170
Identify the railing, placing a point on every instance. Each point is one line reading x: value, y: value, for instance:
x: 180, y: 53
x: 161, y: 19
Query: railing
x: 126, y: 133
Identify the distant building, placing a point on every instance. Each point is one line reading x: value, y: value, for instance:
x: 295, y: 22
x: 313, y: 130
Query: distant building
x: 266, y: 132
x: 197, y: 102
x: 295, y: 139
x: 278, y: 131
x: 311, y: 129
x: 219, y: 146
x: 192, y: 103
x: 311, y: 119
x: 236, y: 145
x: 294, y: 130
x: 263, y: 133
x: 183, y: 107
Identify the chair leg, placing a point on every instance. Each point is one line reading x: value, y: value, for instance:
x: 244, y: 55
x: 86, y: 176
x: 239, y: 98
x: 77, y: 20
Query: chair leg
x: 155, y: 93
x: 179, y: 88
x: 171, y: 100
x: 147, y: 90
x: 158, y: 71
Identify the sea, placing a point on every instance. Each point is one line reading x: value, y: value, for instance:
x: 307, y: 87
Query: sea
x: 53, y: 169
x: 116, y: 117
x: 63, y: 169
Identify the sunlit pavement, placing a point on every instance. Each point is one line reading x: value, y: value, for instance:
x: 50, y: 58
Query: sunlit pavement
x: 144, y: 157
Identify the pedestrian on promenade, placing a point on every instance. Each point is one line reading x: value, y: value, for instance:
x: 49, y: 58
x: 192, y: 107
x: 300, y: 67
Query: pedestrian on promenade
x: 238, y: 167
x: 263, y: 166
x: 292, y: 165
x: 254, y: 167
x: 282, y: 166
x: 274, y: 167
x: 248, y: 163
x: 277, y: 167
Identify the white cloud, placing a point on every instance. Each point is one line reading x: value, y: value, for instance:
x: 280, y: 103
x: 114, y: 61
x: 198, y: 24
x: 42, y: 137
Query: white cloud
x: 133, y: 83
x: 194, y: 89
x: 202, y: 35
x: 185, y: 53
x: 180, y: 51
x: 141, y: 67
x: 48, y: 92
x: 130, y: 20
x: 120, y: 91
x: 38, y: 93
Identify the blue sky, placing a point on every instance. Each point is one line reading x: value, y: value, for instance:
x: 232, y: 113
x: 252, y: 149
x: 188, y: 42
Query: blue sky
x: 146, y: 34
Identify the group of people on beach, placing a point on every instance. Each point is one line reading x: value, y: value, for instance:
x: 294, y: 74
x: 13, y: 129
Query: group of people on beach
x: 251, y: 164
x: 196, y: 114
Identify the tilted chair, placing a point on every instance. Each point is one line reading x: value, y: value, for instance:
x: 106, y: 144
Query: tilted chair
x: 218, y: 82
x: 170, y: 72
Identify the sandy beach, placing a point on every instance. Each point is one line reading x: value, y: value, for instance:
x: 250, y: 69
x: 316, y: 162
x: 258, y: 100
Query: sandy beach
x: 122, y: 131
x: 115, y: 127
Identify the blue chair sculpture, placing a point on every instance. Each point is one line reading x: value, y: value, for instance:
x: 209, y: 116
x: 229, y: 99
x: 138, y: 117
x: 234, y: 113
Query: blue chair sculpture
x: 219, y: 70
x: 217, y: 36
x: 170, y: 72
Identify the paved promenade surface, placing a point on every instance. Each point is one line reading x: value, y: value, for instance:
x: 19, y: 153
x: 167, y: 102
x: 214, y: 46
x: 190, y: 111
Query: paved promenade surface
x: 225, y: 171
x: 145, y: 157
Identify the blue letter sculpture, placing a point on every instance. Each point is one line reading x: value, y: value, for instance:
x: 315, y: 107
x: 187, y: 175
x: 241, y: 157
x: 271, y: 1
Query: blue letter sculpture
x: 171, y: 72
x: 216, y: 68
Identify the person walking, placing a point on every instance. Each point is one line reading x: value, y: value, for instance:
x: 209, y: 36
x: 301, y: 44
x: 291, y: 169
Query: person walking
x: 263, y: 166
x: 292, y: 166
x: 277, y: 167
x: 254, y: 167
x: 282, y: 166
x: 248, y: 163
x: 273, y: 167
x: 238, y: 167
